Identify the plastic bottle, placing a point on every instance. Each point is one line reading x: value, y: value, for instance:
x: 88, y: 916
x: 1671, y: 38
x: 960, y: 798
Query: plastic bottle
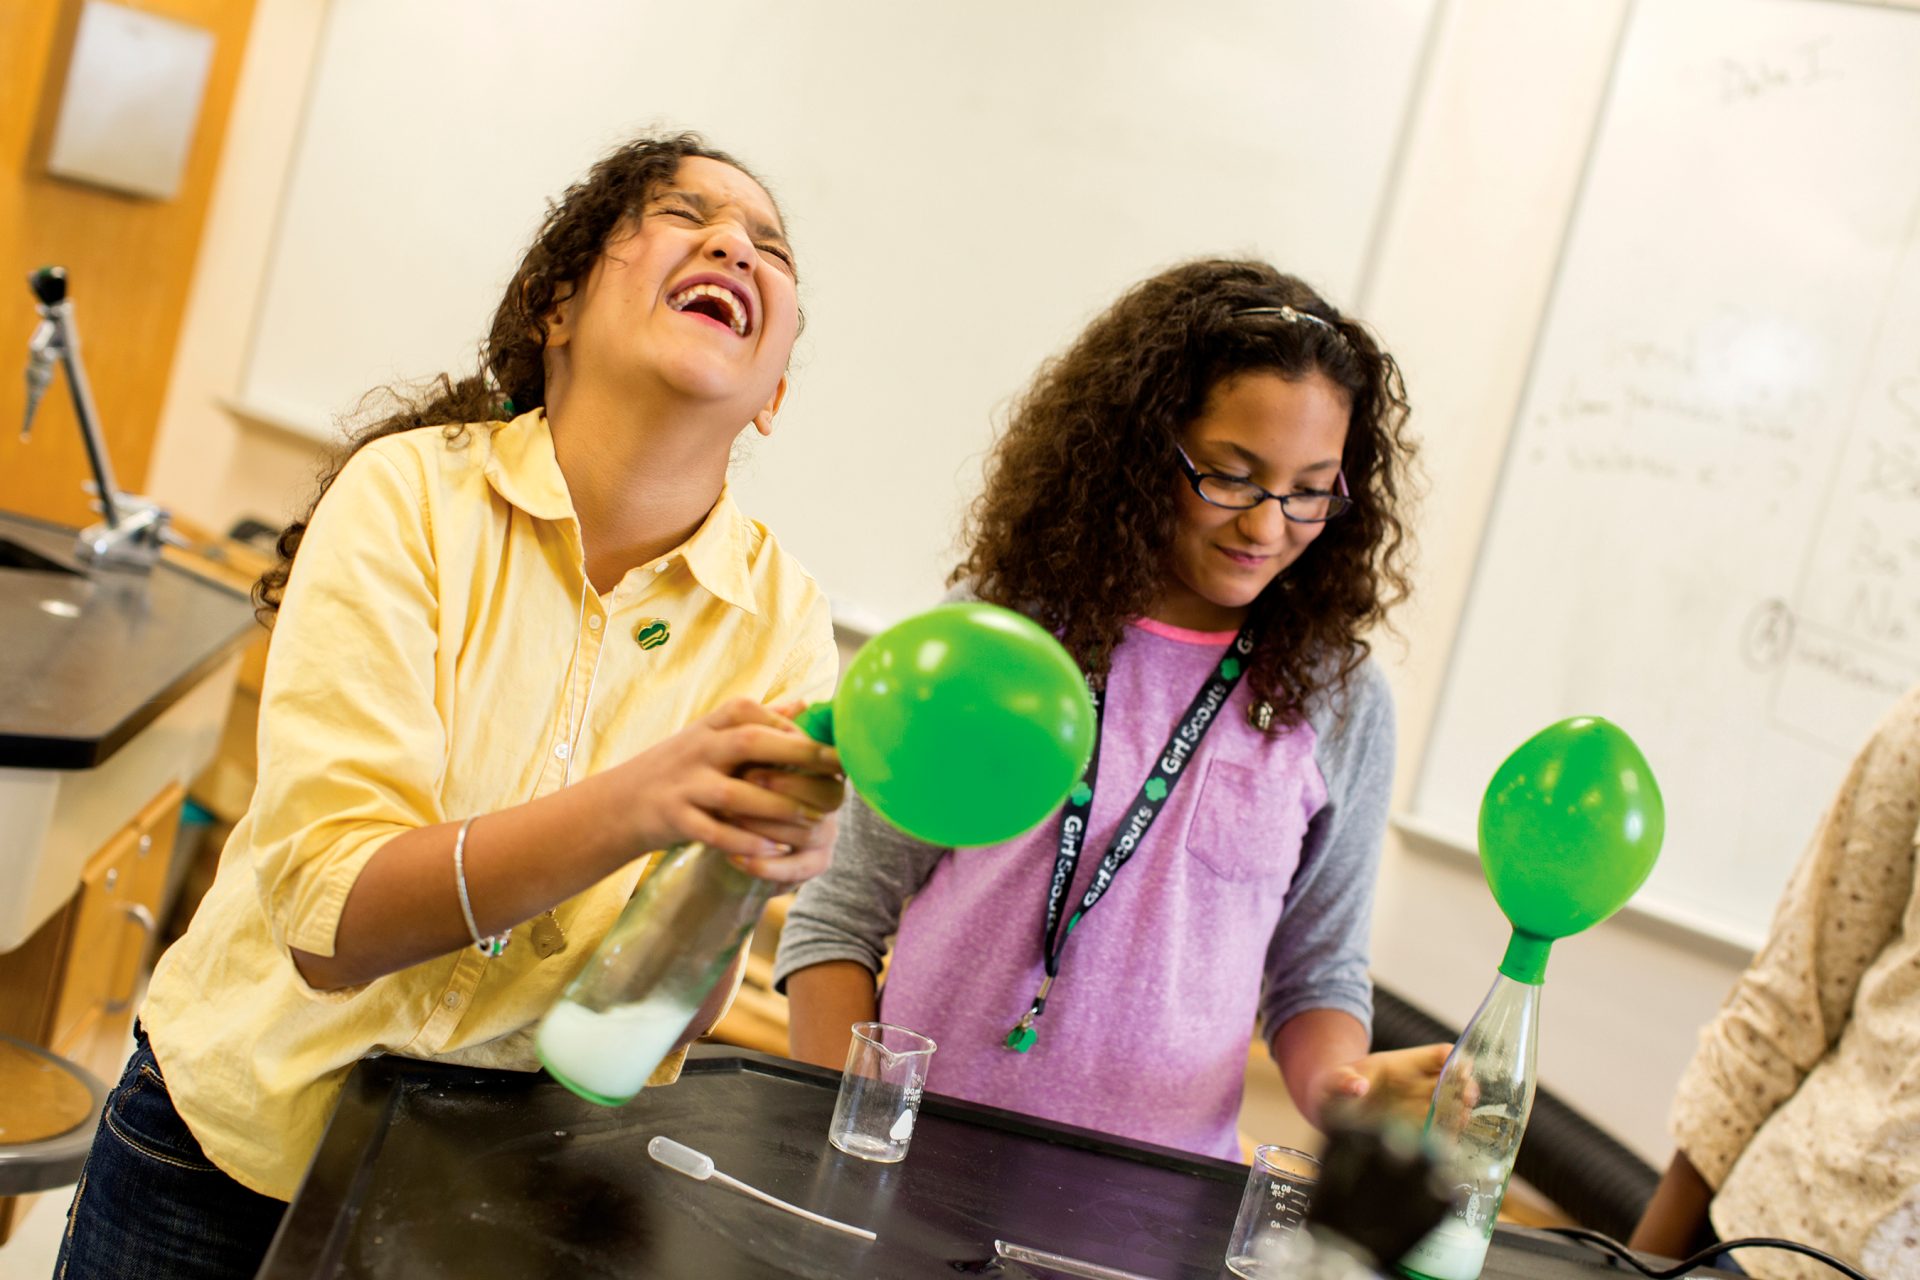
x: 622, y: 1014
x: 1477, y: 1119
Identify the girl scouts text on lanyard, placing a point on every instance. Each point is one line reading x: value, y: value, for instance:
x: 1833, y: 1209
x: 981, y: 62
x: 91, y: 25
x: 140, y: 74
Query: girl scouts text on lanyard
x: 1147, y: 804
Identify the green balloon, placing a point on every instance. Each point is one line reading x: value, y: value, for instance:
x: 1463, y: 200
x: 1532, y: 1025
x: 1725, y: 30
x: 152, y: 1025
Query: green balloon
x: 964, y: 725
x: 1569, y: 829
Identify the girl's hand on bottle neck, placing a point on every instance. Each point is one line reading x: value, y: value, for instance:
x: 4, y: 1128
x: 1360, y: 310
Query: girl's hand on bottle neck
x: 711, y: 782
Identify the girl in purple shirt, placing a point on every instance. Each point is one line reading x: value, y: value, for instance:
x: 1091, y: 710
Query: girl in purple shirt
x: 1201, y: 498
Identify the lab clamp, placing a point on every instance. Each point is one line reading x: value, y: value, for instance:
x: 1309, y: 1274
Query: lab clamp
x: 132, y: 529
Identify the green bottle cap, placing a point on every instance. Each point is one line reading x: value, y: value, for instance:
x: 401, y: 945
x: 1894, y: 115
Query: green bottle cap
x: 817, y: 722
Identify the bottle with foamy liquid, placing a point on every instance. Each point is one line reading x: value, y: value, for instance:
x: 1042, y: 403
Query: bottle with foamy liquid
x: 663, y: 957
x: 1478, y: 1116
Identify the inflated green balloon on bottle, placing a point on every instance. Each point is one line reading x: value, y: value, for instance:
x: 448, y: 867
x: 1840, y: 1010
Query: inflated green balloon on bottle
x: 963, y: 725
x: 1570, y: 826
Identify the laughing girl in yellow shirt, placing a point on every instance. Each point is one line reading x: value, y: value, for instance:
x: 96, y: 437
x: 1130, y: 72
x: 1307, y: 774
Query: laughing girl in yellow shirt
x: 526, y: 634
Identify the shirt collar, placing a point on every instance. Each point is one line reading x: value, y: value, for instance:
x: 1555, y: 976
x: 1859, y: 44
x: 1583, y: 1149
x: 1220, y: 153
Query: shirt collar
x: 717, y: 553
x: 522, y: 469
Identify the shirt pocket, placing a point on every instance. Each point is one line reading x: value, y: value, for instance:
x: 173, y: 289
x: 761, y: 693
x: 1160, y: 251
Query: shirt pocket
x: 1247, y: 823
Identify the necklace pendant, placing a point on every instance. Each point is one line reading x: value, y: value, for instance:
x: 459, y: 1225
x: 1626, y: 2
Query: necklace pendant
x: 1023, y: 1035
x: 547, y: 937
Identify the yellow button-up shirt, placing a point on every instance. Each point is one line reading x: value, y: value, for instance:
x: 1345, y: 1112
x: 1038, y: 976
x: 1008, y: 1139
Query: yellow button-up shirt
x: 440, y: 654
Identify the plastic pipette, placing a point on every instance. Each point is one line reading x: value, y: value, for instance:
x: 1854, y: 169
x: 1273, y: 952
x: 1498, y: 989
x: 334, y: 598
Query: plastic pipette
x: 697, y: 1165
x: 1060, y: 1262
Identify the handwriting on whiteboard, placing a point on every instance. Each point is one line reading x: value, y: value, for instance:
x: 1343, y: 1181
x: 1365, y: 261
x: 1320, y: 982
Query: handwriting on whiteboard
x: 1748, y: 78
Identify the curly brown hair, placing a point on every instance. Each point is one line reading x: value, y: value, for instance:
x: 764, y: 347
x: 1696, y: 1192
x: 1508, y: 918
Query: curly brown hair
x: 512, y: 377
x: 1076, y: 523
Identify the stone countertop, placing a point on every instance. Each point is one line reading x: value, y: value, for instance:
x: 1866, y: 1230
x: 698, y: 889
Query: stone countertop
x: 89, y: 658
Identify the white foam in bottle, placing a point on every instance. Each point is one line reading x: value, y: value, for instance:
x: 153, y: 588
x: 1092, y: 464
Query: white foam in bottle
x: 1453, y: 1250
x: 612, y: 1053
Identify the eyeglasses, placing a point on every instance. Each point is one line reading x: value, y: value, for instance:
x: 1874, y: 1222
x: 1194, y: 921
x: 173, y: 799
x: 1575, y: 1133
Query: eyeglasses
x: 1238, y: 494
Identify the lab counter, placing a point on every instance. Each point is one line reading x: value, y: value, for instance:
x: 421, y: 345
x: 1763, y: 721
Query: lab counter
x: 429, y: 1170
x: 94, y: 657
x: 114, y: 687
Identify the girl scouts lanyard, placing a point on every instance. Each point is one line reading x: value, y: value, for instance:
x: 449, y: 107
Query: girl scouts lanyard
x: 1200, y: 716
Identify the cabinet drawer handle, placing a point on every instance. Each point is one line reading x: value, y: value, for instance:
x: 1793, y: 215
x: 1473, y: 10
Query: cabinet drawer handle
x: 149, y: 931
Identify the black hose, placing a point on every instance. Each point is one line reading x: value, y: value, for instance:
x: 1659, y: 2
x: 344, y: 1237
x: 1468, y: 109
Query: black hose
x: 1566, y: 1157
x: 1706, y: 1256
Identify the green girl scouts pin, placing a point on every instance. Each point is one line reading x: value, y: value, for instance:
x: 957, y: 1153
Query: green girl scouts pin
x: 653, y: 633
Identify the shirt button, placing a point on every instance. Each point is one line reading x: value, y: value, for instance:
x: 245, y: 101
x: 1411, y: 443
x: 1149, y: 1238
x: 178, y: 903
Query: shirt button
x: 453, y: 1000
x: 562, y: 751
x: 663, y: 566
x: 593, y: 623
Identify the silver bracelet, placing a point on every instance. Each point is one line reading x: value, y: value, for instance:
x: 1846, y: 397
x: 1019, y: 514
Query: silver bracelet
x: 492, y: 944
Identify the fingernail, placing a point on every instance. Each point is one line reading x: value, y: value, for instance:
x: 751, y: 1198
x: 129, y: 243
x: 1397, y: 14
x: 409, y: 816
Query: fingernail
x: 775, y: 847
x: 810, y: 814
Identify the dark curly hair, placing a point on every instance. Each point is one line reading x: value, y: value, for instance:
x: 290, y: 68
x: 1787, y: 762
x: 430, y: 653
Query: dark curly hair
x: 1076, y: 523
x: 512, y: 377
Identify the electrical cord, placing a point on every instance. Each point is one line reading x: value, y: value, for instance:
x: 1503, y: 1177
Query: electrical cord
x: 1706, y: 1255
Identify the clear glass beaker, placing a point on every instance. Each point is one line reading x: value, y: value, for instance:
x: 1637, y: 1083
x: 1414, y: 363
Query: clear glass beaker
x: 880, y: 1091
x: 1273, y: 1207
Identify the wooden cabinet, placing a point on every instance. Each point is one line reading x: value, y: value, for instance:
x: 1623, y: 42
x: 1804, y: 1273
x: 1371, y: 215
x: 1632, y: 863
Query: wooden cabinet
x: 72, y: 986
x: 113, y: 934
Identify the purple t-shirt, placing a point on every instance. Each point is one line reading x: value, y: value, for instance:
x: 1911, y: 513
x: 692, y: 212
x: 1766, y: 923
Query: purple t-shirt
x: 1213, y: 923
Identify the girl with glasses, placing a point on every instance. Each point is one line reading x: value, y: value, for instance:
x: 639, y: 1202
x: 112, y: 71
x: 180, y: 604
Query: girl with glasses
x: 1202, y: 497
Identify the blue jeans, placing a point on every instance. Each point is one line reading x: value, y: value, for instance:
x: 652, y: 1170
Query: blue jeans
x: 150, y: 1205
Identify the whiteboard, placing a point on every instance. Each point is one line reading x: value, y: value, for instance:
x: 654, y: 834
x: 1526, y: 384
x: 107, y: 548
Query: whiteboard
x: 966, y: 184
x: 1708, y: 524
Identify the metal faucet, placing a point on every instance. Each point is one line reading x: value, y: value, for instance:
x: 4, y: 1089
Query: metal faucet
x: 132, y: 530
